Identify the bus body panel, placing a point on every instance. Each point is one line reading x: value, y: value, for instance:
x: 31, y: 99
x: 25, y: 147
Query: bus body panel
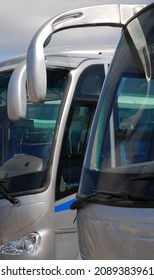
x: 116, y: 233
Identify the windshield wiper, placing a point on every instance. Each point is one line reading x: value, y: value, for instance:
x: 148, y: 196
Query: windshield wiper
x: 81, y: 202
x: 143, y: 177
x: 5, y: 194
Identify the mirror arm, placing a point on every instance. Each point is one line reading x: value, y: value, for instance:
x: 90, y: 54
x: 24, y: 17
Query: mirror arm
x: 102, y: 15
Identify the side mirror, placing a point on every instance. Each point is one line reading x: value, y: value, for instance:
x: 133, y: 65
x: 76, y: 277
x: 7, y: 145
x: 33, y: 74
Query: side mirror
x: 102, y: 15
x: 16, y: 93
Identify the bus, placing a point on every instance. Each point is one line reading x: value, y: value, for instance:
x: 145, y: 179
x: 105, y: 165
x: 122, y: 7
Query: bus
x: 47, y: 106
x: 116, y: 196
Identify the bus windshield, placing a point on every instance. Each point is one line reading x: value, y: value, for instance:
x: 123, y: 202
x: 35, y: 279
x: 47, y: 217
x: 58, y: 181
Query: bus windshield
x: 25, y: 144
x: 120, y: 156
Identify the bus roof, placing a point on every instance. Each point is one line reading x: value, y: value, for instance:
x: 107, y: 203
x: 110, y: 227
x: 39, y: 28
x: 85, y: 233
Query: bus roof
x: 65, y: 57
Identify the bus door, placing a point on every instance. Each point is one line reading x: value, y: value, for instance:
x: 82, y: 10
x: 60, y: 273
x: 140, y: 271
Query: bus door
x: 72, y: 154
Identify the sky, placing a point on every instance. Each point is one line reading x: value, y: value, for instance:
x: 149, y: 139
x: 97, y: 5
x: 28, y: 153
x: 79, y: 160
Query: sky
x: 20, y: 19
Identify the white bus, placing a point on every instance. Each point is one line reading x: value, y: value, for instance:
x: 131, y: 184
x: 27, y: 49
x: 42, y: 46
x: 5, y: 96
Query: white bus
x: 116, y: 195
x: 45, y: 128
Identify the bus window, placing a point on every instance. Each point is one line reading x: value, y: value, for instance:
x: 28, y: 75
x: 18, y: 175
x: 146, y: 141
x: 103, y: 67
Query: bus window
x: 90, y: 82
x: 73, y: 149
x: 132, y: 122
x: 27, y: 143
x: 135, y: 120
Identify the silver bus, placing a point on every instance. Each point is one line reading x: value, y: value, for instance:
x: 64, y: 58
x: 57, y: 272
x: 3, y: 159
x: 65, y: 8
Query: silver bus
x: 45, y: 120
x: 116, y: 195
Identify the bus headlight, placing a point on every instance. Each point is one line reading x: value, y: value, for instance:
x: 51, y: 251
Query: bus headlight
x: 26, y: 245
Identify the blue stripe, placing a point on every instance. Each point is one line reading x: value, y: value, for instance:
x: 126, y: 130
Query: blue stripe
x: 64, y: 206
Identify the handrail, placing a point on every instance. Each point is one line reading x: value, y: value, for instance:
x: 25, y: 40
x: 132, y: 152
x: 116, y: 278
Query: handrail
x: 103, y: 15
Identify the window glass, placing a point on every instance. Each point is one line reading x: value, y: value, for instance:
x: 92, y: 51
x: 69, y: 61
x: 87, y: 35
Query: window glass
x: 25, y: 145
x: 90, y: 82
x: 133, y: 116
x: 120, y: 154
x: 73, y: 149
